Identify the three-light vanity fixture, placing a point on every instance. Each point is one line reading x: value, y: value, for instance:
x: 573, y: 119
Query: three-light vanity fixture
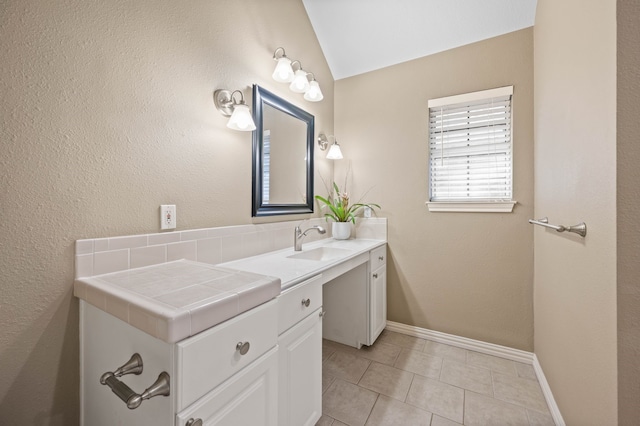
x: 298, y: 79
x: 334, y: 151
x: 238, y: 111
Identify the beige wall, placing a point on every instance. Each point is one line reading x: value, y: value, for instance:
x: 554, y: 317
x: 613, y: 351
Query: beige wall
x: 575, y: 180
x: 628, y: 199
x: 469, y: 274
x: 107, y: 112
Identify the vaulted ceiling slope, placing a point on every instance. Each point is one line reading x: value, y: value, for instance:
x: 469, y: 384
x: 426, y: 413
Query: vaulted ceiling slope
x: 358, y: 36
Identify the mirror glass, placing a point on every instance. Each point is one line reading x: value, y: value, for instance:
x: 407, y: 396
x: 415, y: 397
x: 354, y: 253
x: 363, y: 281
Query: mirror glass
x: 282, y: 156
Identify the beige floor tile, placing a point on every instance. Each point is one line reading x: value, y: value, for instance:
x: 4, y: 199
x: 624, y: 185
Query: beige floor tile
x: 482, y: 410
x: 420, y: 363
x: 526, y: 371
x: 437, y: 397
x: 519, y: 391
x: 441, y: 421
x: 381, y: 352
x: 387, y: 380
x: 467, y: 376
x: 338, y: 423
x: 536, y: 418
x: 328, y: 348
x: 348, y: 403
x: 391, y: 412
x: 401, y: 340
x: 325, y: 421
x: 345, y: 366
x: 445, y: 351
x: 493, y: 363
x: 327, y: 379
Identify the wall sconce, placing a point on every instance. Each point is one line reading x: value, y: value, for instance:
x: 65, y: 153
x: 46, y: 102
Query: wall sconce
x: 300, y: 83
x: 283, y: 72
x: 238, y: 111
x: 313, y: 93
x: 299, y: 79
x: 334, y: 152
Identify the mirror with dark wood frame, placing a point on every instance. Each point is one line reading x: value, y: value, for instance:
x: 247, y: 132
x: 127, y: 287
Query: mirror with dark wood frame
x: 282, y: 156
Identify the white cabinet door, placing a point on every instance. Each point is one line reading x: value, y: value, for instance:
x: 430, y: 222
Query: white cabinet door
x: 300, y: 372
x: 378, y: 303
x: 247, y: 398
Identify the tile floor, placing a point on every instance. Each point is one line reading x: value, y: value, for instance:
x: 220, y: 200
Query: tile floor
x: 406, y: 381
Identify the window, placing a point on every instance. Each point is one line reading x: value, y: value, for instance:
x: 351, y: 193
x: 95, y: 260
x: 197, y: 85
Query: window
x: 470, y: 163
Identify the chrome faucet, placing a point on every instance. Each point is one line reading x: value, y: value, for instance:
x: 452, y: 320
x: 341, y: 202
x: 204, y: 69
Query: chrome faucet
x: 299, y: 235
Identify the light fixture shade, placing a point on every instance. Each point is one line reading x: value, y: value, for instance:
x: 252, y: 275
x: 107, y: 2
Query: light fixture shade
x: 283, y: 72
x: 241, y: 119
x: 300, y: 84
x: 334, y: 152
x: 313, y: 93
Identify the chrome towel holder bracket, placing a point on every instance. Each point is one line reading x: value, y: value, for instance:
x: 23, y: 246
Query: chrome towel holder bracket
x: 580, y: 229
x: 161, y: 387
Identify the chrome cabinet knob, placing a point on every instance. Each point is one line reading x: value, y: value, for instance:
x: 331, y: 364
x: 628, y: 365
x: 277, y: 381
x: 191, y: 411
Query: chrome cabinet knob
x: 380, y: 257
x: 193, y: 422
x: 243, y: 347
x: 306, y: 302
x: 322, y: 314
x: 375, y: 275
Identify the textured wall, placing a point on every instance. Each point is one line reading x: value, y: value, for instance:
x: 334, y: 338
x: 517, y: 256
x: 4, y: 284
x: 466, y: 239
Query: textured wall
x: 575, y: 180
x: 628, y: 192
x: 107, y: 112
x: 469, y: 274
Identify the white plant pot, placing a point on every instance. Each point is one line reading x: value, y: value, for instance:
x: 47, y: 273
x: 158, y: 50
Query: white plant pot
x: 341, y: 230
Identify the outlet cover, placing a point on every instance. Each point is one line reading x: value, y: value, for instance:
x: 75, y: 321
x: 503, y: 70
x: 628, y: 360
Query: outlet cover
x: 168, y: 216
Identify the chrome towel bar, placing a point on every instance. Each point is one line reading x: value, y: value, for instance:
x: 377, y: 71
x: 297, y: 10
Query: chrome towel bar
x: 580, y: 229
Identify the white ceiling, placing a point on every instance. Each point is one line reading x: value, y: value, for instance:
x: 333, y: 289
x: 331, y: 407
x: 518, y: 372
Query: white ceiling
x: 358, y: 36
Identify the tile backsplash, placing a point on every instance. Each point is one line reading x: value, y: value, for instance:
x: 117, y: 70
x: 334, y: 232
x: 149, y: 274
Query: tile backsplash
x: 212, y: 245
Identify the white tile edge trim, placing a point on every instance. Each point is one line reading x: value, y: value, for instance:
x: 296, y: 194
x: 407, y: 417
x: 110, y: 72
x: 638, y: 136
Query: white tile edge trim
x: 489, y: 349
x: 548, y: 395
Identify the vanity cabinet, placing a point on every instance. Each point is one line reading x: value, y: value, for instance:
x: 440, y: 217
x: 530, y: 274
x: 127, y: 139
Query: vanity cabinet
x: 377, y: 292
x: 226, y: 375
x: 300, y: 354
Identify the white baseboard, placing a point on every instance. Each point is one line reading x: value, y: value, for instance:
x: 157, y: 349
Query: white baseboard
x: 463, y: 342
x: 548, y: 395
x: 489, y: 349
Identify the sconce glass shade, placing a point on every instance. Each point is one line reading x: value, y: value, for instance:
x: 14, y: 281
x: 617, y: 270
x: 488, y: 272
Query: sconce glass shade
x: 283, y: 72
x: 313, y: 94
x: 300, y: 84
x: 241, y: 119
x: 334, y: 152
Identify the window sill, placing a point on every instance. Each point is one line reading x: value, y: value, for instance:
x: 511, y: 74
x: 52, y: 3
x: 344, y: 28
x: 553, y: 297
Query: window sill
x: 472, y: 206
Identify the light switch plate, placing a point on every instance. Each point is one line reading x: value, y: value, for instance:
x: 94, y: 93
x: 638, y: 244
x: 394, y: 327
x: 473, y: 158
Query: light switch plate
x: 168, y: 216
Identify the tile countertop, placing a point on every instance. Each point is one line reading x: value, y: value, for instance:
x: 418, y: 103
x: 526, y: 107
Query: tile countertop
x: 293, y: 271
x: 172, y: 301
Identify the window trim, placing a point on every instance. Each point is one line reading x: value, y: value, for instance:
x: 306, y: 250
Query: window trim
x: 475, y: 206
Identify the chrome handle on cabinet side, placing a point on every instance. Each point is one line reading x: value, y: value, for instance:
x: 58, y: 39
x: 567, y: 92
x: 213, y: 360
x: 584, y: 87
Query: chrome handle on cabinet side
x: 321, y: 314
x: 380, y: 257
x: 306, y: 302
x: 243, y: 347
x: 161, y: 387
x: 375, y: 275
x: 193, y: 422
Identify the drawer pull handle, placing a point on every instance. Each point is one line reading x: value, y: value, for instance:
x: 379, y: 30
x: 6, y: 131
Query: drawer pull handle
x: 306, y: 302
x: 243, y: 347
x: 375, y: 275
x: 194, y: 422
x: 380, y: 257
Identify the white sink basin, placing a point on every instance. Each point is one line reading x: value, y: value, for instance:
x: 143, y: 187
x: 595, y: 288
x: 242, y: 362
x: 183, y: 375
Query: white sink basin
x: 321, y: 253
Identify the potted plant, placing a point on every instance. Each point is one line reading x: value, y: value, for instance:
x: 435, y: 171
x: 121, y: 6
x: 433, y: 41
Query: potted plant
x: 342, y: 213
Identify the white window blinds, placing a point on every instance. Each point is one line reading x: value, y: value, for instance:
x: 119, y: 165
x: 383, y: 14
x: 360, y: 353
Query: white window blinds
x: 470, y: 147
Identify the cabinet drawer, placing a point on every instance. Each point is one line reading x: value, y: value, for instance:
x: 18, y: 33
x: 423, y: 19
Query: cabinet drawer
x: 207, y: 359
x: 378, y: 257
x: 292, y: 304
